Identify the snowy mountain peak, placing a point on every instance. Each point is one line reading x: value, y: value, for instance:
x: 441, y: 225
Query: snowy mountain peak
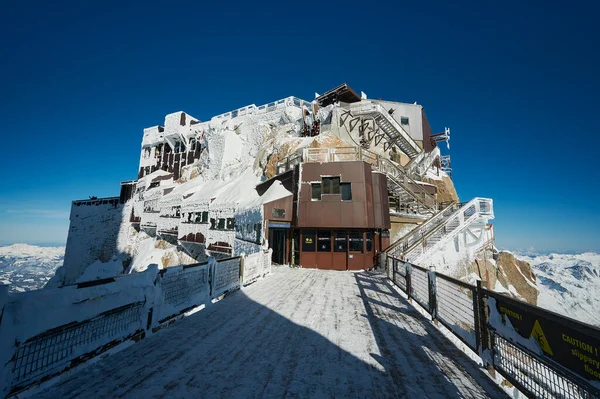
x: 26, y: 250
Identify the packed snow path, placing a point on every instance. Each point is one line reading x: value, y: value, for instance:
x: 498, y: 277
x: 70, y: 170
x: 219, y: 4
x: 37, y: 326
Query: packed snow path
x: 298, y: 333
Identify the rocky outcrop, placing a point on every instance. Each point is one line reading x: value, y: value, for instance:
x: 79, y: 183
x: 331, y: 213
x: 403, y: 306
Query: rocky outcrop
x: 518, y: 274
x: 445, y: 189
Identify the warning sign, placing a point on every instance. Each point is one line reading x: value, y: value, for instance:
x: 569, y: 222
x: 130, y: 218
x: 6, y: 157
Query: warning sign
x: 572, y: 344
x: 538, y: 334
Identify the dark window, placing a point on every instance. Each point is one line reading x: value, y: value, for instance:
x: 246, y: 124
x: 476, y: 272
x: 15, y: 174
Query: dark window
x: 308, y: 241
x: 221, y: 224
x: 324, y: 240
x: 355, y: 241
x: 205, y: 217
x: 346, y: 191
x: 278, y: 213
x: 248, y: 228
x: 198, y: 218
x: 230, y: 223
x: 189, y: 218
x: 316, y: 191
x: 404, y: 120
x: 340, y: 241
x: 257, y: 228
x: 369, y: 241
x: 331, y: 185
x: 192, y: 144
x: 213, y: 223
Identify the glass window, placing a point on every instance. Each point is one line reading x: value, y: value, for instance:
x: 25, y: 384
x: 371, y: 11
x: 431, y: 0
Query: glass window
x: 331, y: 185
x: 316, y: 191
x: 192, y: 144
x: 198, y: 218
x: 230, y: 223
x: 355, y: 241
x: 258, y: 229
x: 213, y: 223
x: 369, y: 241
x: 221, y: 224
x: 404, y: 120
x: 308, y: 241
x: 346, y: 191
x: 340, y: 241
x: 324, y: 241
x: 205, y: 217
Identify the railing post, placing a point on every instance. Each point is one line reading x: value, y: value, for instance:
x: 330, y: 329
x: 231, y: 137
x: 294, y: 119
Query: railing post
x: 482, y: 335
x: 431, y: 279
x: 408, y: 278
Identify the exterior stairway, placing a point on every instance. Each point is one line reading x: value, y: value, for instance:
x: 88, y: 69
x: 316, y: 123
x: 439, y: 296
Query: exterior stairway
x: 393, y: 131
x: 441, y: 228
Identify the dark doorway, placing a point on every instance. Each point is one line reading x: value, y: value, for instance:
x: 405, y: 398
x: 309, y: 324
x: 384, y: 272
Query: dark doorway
x: 277, y: 243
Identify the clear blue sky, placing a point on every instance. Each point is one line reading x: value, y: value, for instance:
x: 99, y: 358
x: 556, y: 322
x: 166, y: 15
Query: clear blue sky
x: 518, y: 85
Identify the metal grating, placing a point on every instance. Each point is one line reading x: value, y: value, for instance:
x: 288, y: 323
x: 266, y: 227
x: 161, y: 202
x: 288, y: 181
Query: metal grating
x: 37, y: 356
x: 178, y: 288
x: 456, y: 310
x: 399, y: 274
x: 535, y: 377
x: 419, y: 286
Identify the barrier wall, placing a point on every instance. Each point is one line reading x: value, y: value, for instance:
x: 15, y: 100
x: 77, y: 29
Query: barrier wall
x: 46, y: 332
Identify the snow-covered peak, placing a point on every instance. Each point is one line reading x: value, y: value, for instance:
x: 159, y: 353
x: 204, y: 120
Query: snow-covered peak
x: 26, y: 250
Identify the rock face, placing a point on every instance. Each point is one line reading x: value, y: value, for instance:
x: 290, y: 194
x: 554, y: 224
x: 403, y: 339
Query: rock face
x: 518, y: 274
x: 446, y: 192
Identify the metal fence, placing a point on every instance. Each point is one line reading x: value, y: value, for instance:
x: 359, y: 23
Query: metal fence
x: 543, y: 354
x: 93, y: 317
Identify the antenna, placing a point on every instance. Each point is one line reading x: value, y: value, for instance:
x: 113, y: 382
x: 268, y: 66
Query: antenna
x: 447, y: 132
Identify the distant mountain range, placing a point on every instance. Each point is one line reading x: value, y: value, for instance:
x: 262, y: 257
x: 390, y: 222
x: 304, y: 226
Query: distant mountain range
x: 569, y: 284
x: 28, y: 267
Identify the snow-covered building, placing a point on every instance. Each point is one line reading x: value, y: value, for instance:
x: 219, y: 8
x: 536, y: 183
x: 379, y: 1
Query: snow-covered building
x: 328, y: 183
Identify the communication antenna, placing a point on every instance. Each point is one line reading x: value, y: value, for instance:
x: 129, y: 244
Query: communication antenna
x: 447, y: 133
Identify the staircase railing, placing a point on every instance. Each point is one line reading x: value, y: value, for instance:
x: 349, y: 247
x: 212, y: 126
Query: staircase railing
x: 368, y: 108
x: 441, y: 228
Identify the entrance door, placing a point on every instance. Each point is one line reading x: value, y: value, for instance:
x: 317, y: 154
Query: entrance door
x: 277, y: 243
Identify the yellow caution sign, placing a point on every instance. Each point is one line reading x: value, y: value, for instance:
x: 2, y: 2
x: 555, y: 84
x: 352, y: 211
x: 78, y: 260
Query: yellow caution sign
x: 538, y: 334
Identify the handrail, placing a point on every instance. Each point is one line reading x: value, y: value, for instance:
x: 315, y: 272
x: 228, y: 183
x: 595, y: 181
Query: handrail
x: 423, y: 230
x: 373, y: 107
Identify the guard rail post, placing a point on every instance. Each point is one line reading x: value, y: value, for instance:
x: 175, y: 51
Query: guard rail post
x: 482, y: 335
x: 431, y: 279
x: 408, y: 282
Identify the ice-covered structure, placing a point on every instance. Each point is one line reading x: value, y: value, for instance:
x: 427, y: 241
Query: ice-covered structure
x: 328, y: 183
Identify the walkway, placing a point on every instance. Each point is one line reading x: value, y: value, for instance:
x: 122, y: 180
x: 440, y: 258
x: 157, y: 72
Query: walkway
x: 299, y: 333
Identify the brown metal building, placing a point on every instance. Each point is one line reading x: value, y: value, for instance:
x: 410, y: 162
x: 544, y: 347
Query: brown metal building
x: 339, y: 217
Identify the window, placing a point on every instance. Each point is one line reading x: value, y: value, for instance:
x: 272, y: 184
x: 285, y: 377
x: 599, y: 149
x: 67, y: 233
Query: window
x: 316, y: 191
x: 278, y: 213
x: 324, y: 241
x: 248, y: 228
x: 308, y: 241
x: 230, y: 223
x: 404, y: 120
x: 355, y: 241
x: 221, y: 224
x: 213, y: 223
x: 346, y: 191
x: 369, y: 241
x: 205, y: 217
x: 331, y: 185
x: 192, y: 144
x: 340, y: 242
x: 257, y: 227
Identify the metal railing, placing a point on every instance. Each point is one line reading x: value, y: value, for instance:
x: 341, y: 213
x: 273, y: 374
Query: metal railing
x: 90, y: 318
x: 543, y: 354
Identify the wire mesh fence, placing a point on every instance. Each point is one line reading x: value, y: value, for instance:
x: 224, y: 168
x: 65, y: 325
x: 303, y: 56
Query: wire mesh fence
x: 53, y: 349
x: 419, y: 286
x: 531, y: 374
x: 456, y: 308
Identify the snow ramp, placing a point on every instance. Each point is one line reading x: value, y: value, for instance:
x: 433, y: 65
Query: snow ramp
x: 298, y: 333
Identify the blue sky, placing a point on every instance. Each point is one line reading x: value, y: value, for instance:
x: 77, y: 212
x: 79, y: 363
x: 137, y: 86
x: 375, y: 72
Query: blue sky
x: 516, y: 83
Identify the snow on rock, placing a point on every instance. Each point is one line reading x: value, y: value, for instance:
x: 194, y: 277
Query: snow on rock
x: 27, y: 267
x: 568, y: 284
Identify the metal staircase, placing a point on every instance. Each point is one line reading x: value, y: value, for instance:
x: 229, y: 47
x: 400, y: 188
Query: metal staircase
x: 441, y: 228
x: 393, y: 131
x: 406, y: 192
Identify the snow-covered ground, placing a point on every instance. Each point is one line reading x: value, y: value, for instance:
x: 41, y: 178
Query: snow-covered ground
x: 298, y: 333
x: 28, y: 267
x: 569, y: 284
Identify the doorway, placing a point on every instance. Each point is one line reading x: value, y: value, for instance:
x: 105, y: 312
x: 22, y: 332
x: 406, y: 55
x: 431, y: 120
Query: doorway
x: 277, y: 238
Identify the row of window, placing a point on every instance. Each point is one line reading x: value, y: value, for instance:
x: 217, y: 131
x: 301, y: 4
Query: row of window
x: 249, y: 232
x: 331, y: 185
x: 338, y: 240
